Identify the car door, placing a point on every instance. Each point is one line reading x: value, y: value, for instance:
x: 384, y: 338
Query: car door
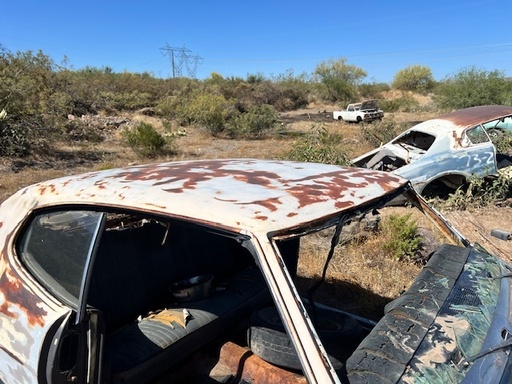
x: 477, y: 156
x: 75, y: 354
x: 58, y: 248
x: 74, y: 351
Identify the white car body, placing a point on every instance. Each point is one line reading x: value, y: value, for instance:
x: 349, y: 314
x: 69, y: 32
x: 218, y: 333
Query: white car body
x: 366, y: 111
x: 87, y: 263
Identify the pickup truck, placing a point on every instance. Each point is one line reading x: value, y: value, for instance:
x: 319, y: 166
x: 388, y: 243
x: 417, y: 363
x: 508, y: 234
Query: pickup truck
x: 355, y: 113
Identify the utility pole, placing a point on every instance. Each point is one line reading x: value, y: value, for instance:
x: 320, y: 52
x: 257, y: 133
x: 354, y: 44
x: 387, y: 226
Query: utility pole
x: 180, y: 56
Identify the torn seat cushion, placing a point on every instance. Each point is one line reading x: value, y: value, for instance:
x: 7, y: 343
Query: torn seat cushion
x: 152, y: 341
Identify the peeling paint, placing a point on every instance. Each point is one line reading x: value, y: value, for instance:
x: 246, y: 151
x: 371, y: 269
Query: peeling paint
x: 216, y: 190
x: 460, y: 329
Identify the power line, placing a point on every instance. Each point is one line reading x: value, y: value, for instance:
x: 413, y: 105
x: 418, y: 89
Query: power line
x: 180, y: 56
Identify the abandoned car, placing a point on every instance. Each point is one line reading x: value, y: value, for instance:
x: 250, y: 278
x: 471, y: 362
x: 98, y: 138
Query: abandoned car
x: 224, y: 270
x: 446, y: 151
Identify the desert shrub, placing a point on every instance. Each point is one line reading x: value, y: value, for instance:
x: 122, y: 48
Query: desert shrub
x: 405, y: 103
x: 478, y: 192
x: 471, y: 87
x: 338, y: 80
x: 165, y: 106
x: 13, y: 137
x: 284, y: 92
x: 294, y: 91
x: 29, y: 95
x: 402, y: 237
x: 84, y: 88
x: 503, y: 143
x: 127, y: 101
x: 211, y: 111
x: 206, y: 109
x: 380, y: 132
x: 270, y: 93
x: 372, y: 90
x: 319, y: 146
x: 145, y: 140
x: 416, y: 78
x: 253, y: 123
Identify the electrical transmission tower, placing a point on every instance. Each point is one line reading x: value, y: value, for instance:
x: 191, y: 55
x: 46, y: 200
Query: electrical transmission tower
x: 180, y: 57
x: 191, y: 63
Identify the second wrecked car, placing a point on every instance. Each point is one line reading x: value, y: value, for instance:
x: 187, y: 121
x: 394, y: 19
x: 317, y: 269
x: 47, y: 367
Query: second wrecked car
x: 445, y: 151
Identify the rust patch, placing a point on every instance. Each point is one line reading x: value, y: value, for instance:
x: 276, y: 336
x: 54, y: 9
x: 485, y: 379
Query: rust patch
x: 15, y: 293
x: 457, y: 139
x: 472, y: 116
x: 50, y: 188
x: 101, y: 184
x: 270, y: 204
x: 242, y: 363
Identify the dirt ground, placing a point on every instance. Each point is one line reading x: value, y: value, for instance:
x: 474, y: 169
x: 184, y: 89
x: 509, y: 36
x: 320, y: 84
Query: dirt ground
x: 476, y: 226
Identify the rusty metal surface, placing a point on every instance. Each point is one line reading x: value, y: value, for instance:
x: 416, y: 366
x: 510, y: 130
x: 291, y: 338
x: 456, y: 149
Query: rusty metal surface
x: 26, y: 311
x: 455, y: 123
x: 242, y: 364
x: 247, y: 194
x: 469, y: 117
x: 26, y: 314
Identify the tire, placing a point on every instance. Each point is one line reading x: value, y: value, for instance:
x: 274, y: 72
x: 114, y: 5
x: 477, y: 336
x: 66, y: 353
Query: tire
x: 268, y: 339
x: 275, y: 347
x: 495, y: 133
x: 332, y: 325
x: 359, y: 119
x: 340, y: 118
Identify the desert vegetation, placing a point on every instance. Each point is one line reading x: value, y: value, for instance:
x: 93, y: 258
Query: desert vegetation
x: 43, y: 102
x: 56, y: 120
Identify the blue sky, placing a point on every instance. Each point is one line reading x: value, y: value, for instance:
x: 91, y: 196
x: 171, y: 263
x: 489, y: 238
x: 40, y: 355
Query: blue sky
x: 237, y: 38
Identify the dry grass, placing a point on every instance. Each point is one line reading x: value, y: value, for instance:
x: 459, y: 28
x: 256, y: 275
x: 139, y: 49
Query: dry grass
x: 362, y: 276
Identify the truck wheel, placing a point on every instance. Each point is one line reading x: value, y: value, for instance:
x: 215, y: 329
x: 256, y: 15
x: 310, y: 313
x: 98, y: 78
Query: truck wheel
x: 340, y: 118
x: 359, y: 119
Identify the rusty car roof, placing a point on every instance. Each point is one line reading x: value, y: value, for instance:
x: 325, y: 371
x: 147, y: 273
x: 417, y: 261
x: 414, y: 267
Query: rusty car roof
x: 465, y: 118
x: 469, y: 117
x: 250, y: 194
